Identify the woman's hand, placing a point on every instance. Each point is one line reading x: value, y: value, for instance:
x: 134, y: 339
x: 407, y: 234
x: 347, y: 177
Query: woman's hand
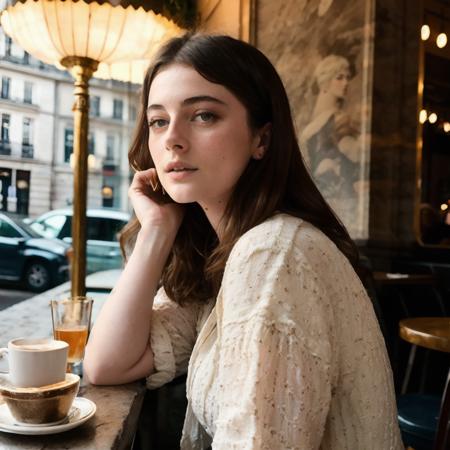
x: 151, y: 208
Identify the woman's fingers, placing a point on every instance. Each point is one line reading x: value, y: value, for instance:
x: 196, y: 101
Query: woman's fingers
x: 152, y: 206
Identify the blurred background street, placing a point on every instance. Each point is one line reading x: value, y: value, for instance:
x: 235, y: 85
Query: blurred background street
x: 9, y: 295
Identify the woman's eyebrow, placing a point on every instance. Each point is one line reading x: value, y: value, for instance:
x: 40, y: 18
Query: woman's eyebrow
x: 202, y: 98
x: 189, y: 101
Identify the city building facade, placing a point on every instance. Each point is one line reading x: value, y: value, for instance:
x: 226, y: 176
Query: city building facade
x: 36, y: 136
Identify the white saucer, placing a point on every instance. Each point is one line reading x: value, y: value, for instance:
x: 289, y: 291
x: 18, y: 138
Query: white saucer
x: 81, y: 410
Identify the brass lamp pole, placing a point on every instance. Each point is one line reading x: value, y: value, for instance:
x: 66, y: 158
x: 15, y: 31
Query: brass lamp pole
x: 82, y: 70
x: 83, y: 36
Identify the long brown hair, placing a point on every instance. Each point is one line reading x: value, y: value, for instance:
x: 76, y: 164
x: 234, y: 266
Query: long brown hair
x: 277, y: 182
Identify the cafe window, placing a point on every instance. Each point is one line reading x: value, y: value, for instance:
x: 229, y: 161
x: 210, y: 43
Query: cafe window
x: 117, y: 109
x: 68, y: 144
x: 28, y: 92
x: 6, y: 82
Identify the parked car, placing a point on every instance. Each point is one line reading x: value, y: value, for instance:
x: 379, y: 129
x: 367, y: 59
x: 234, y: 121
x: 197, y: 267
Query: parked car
x: 25, y: 256
x: 103, y: 225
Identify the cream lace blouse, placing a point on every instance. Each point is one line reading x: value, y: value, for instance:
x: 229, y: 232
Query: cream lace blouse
x: 290, y: 356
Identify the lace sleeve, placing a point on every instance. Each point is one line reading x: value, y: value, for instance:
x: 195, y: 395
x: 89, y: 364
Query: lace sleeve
x: 172, y: 338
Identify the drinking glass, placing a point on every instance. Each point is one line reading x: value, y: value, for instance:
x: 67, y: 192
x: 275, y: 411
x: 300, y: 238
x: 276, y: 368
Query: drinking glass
x: 71, y: 320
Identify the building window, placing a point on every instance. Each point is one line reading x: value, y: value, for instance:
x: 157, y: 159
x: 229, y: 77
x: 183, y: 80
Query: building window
x: 5, y: 128
x: 91, y: 144
x: 117, y: 109
x: 68, y: 144
x: 110, y: 148
x: 5, y: 146
x: 8, y: 46
x: 6, y: 81
x: 27, y: 138
x: 28, y: 92
x: 95, y: 106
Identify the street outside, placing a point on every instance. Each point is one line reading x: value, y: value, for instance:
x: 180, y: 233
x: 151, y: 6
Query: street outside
x: 10, y: 295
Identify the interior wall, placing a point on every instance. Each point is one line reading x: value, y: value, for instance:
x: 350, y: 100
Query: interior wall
x: 310, y: 42
x: 394, y: 125
x: 232, y: 17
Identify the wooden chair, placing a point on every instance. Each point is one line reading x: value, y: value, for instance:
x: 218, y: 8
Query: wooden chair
x: 424, y: 419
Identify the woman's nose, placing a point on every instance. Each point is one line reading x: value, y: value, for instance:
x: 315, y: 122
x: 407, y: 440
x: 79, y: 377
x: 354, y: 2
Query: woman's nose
x: 176, y: 139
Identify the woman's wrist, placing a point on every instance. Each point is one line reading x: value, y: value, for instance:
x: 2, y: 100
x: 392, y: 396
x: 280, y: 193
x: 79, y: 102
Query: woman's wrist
x: 154, y: 242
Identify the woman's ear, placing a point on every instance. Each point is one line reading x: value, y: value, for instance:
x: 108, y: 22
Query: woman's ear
x: 262, y: 137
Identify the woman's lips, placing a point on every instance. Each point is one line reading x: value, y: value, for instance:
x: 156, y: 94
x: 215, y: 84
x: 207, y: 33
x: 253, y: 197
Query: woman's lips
x: 181, y: 174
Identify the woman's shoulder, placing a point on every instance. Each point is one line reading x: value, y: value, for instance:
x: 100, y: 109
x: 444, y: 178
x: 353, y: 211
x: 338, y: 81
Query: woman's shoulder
x: 283, y: 233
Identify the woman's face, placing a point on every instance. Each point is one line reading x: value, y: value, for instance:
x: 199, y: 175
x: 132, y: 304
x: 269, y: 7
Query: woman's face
x: 339, y: 84
x: 199, y: 137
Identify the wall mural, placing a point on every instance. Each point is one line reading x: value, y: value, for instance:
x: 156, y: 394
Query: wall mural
x: 322, y: 50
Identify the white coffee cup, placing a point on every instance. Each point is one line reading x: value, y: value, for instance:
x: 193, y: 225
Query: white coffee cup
x: 35, y: 362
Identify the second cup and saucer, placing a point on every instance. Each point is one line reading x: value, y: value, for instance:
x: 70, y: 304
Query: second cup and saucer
x: 23, y: 409
x: 80, y: 412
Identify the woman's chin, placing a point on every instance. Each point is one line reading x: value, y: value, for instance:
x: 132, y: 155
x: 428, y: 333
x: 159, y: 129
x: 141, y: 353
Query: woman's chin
x: 181, y: 197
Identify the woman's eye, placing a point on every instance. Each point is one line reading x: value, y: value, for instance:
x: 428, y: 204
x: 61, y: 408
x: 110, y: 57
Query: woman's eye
x: 157, y: 123
x: 205, y: 117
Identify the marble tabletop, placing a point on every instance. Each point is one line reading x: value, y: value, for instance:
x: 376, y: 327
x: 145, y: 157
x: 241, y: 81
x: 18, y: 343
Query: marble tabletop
x: 118, y: 407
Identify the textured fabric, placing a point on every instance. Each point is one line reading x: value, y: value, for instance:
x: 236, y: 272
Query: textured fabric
x: 290, y: 356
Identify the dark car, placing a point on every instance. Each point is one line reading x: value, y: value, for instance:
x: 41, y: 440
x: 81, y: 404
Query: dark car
x: 25, y: 256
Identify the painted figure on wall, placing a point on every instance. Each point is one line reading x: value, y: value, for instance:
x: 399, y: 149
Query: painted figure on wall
x: 330, y: 139
x: 323, y: 50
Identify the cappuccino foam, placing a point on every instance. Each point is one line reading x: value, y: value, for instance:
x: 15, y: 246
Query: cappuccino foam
x: 37, y: 347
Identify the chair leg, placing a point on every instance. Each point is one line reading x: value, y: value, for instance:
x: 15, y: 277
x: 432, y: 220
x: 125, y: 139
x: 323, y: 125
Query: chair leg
x: 442, y: 441
x: 412, y: 355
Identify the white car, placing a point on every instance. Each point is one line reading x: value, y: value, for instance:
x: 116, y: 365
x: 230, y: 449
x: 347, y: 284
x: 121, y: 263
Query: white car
x: 103, y: 225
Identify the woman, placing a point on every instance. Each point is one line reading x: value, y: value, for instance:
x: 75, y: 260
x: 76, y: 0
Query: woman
x: 330, y: 139
x: 259, y: 302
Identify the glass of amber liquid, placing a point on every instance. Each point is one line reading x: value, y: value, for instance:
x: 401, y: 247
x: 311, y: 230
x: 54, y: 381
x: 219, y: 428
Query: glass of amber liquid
x: 71, y: 320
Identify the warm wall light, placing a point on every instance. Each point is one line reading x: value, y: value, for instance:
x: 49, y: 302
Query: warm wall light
x: 22, y: 184
x: 446, y: 127
x: 441, y: 40
x: 444, y: 207
x: 425, y: 32
x: 423, y: 116
x: 432, y: 118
